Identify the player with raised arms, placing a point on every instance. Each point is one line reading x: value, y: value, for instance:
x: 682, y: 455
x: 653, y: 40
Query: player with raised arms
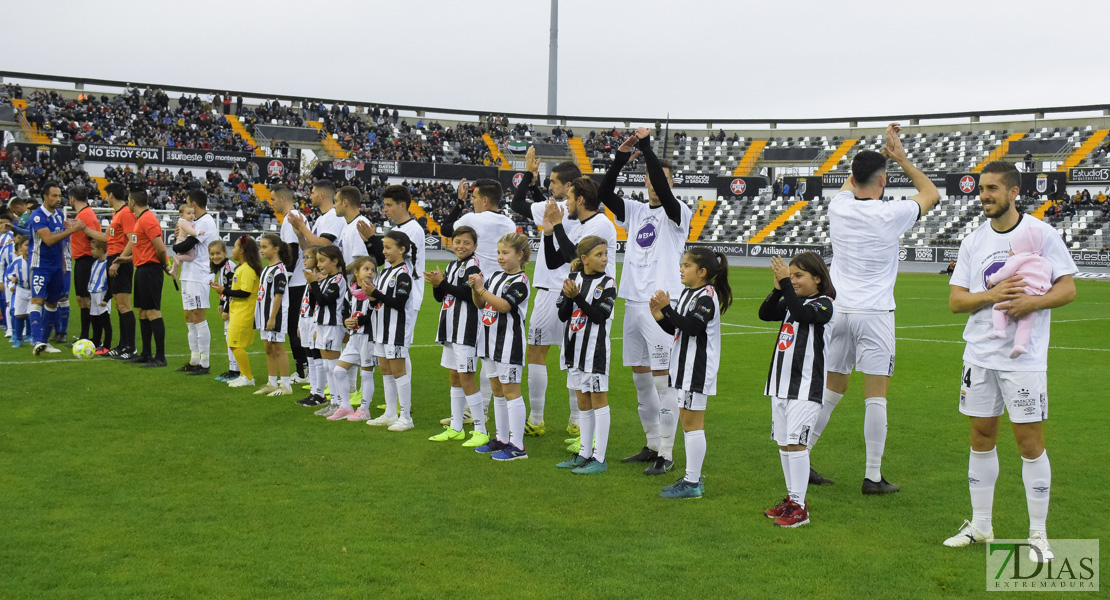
x: 657, y: 233
x: 992, y: 382
x: 866, y: 233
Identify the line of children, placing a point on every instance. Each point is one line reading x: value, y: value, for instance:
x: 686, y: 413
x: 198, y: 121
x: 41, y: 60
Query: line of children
x: 394, y: 316
x: 331, y: 296
x: 223, y: 275
x: 100, y: 304
x: 271, y: 315
x: 359, y: 349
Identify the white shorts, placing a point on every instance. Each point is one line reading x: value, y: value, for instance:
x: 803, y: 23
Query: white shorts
x: 390, y: 351
x: 329, y: 337
x: 587, y: 382
x: 95, y: 309
x: 194, y: 295
x: 459, y: 358
x: 306, y: 327
x: 359, y: 351
x: 692, y: 400
x: 864, y: 341
x: 793, y: 420
x: 271, y: 336
x: 645, y: 343
x: 21, y: 301
x: 505, y: 373
x: 986, y: 393
x: 544, y: 326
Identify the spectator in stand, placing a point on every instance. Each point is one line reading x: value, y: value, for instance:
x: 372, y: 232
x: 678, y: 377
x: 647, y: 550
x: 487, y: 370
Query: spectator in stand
x: 1028, y: 161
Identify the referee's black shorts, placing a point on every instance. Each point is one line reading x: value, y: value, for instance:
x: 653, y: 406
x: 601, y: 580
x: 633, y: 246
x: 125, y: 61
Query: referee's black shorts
x: 148, y: 286
x: 120, y: 283
x: 82, y: 271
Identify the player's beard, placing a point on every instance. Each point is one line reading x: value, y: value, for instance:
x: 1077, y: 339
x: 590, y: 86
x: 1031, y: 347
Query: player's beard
x: 997, y: 209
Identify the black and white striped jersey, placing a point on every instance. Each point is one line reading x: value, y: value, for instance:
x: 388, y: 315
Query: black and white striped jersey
x: 225, y: 276
x: 696, y: 325
x: 271, y: 284
x: 589, y: 320
x: 310, y: 301
x: 392, y: 313
x: 332, y: 300
x: 505, y: 339
x: 363, y: 310
x: 798, y: 362
x: 458, y: 316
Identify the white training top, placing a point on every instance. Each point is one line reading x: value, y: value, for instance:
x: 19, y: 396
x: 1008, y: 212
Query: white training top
x: 543, y: 277
x: 653, y: 251
x: 602, y: 227
x: 866, y: 235
x: 490, y: 225
x: 199, y: 269
x: 350, y: 240
x: 981, y: 254
x: 329, y: 223
x: 289, y: 236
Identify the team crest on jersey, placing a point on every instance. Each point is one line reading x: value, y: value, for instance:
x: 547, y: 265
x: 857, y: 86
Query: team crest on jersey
x: 786, y: 336
x: 577, y: 320
x: 489, y: 315
x: 597, y: 292
x: 645, y: 237
x: 448, y: 301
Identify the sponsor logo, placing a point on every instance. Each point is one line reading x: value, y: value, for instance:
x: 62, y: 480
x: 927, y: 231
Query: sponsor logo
x: 645, y: 237
x: 448, y: 301
x: 1075, y: 566
x: 275, y: 168
x: 517, y: 179
x: 627, y: 178
x: 967, y: 184
x: 757, y: 250
x: 1089, y: 175
x: 902, y: 253
x: 577, y: 320
x: 489, y: 316
x: 692, y: 179
x: 786, y: 336
x: 737, y: 186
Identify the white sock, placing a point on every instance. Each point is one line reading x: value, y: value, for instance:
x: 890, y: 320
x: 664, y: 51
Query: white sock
x: 575, y: 417
x: 874, y: 436
x: 537, y: 392
x: 830, y: 402
x: 458, y: 405
x: 389, y: 386
x: 515, y: 408
x: 1037, y: 475
x: 272, y: 380
x: 204, y: 342
x: 328, y: 373
x: 668, y: 421
x: 784, y: 458
x: 232, y: 364
x: 982, y: 473
x: 338, y: 385
x: 484, y: 387
x: 474, y: 401
x: 586, y: 427
x: 316, y: 376
x: 367, y: 390
x: 799, y: 475
x: 648, y: 405
x: 601, y: 432
x: 194, y: 356
x: 501, y: 419
x: 352, y: 378
x: 404, y: 395
x: 284, y: 381
x: 695, y: 454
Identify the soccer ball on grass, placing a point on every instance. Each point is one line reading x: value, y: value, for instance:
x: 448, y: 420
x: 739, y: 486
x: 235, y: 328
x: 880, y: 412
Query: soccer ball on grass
x: 84, y: 349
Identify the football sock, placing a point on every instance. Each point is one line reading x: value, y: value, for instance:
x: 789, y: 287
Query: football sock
x: 61, y: 324
x: 515, y: 408
x: 243, y: 362
x: 315, y: 377
x: 474, y: 401
x: 458, y: 405
x: 147, y: 332
x: 601, y: 432
x: 340, y: 388
x: 874, y: 436
x: 575, y: 417
x: 158, y: 327
x: 390, y: 388
x: 284, y: 380
x: 96, y: 333
x: 1037, y: 476
x: 86, y: 321
x: 695, y: 454
x: 404, y: 395
x: 127, y: 329
x: 501, y: 419
x: 484, y: 386
x: 352, y: 378
x: 668, y: 421
x: 272, y: 380
x: 35, y: 317
x: 367, y: 389
x: 328, y: 373
x: 20, y: 327
x: 784, y: 458
x: 194, y: 356
x: 831, y: 400
x: 105, y: 329
x: 799, y: 475
x: 300, y: 356
x: 647, y: 399
x: 204, y: 342
x: 49, y: 317
x: 982, y: 473
x: 537, y: 392
x: 586, y: 427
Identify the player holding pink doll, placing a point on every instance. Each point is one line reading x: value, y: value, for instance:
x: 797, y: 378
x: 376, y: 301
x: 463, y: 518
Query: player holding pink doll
x: 1036, y: 273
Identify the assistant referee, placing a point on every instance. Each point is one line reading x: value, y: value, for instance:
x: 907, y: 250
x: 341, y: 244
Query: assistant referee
x: 149, y: 255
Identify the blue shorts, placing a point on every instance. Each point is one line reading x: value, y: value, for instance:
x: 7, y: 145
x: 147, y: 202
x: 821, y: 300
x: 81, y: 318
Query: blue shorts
x: 49, y: 284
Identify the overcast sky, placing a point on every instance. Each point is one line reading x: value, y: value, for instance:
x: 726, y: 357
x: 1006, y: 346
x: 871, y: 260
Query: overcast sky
x: 703, y: 59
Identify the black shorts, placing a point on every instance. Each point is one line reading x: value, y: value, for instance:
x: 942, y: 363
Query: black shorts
x: 120, y: 283
x: 82, y: 271
x: 148, y: 286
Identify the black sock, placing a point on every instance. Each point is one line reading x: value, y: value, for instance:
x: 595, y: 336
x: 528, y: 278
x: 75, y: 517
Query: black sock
x: 96, y: 330
x: 127, y: 329
x: 159, y: 328
x: 106, y: 328
x: 86, y: 320
x: 147, y: 331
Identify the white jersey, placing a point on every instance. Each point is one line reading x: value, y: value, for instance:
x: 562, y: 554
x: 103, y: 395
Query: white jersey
x: 350, y: 240
x: 329, y: 225
x: 653, y: 251
x: 981, y: 254
x: 543, y: 277
x: 416, y: 233
x: 289, y: 236
x: 866, y: 235
x: 602, y: 227
x: 490, y: 225
x: 199, y: 269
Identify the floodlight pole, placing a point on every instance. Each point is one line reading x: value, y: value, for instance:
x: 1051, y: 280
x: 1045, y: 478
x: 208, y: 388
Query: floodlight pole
x: 553, y: 65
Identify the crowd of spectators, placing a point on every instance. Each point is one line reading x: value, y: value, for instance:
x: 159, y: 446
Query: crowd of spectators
x: 385, y: 137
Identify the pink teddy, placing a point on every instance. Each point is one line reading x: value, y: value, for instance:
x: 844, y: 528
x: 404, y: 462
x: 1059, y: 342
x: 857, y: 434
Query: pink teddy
x: 1036, y: 272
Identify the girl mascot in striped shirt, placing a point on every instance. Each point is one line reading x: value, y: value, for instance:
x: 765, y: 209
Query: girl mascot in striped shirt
x: 803, y: 301
x: 271, y: 314
x: 394, y: 310
x: 359, y: 349
x: 331, y: 297
x: 695, y: 321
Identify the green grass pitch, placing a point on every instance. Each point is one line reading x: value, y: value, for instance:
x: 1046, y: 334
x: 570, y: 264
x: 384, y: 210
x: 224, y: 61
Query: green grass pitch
x: 117, y: 482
